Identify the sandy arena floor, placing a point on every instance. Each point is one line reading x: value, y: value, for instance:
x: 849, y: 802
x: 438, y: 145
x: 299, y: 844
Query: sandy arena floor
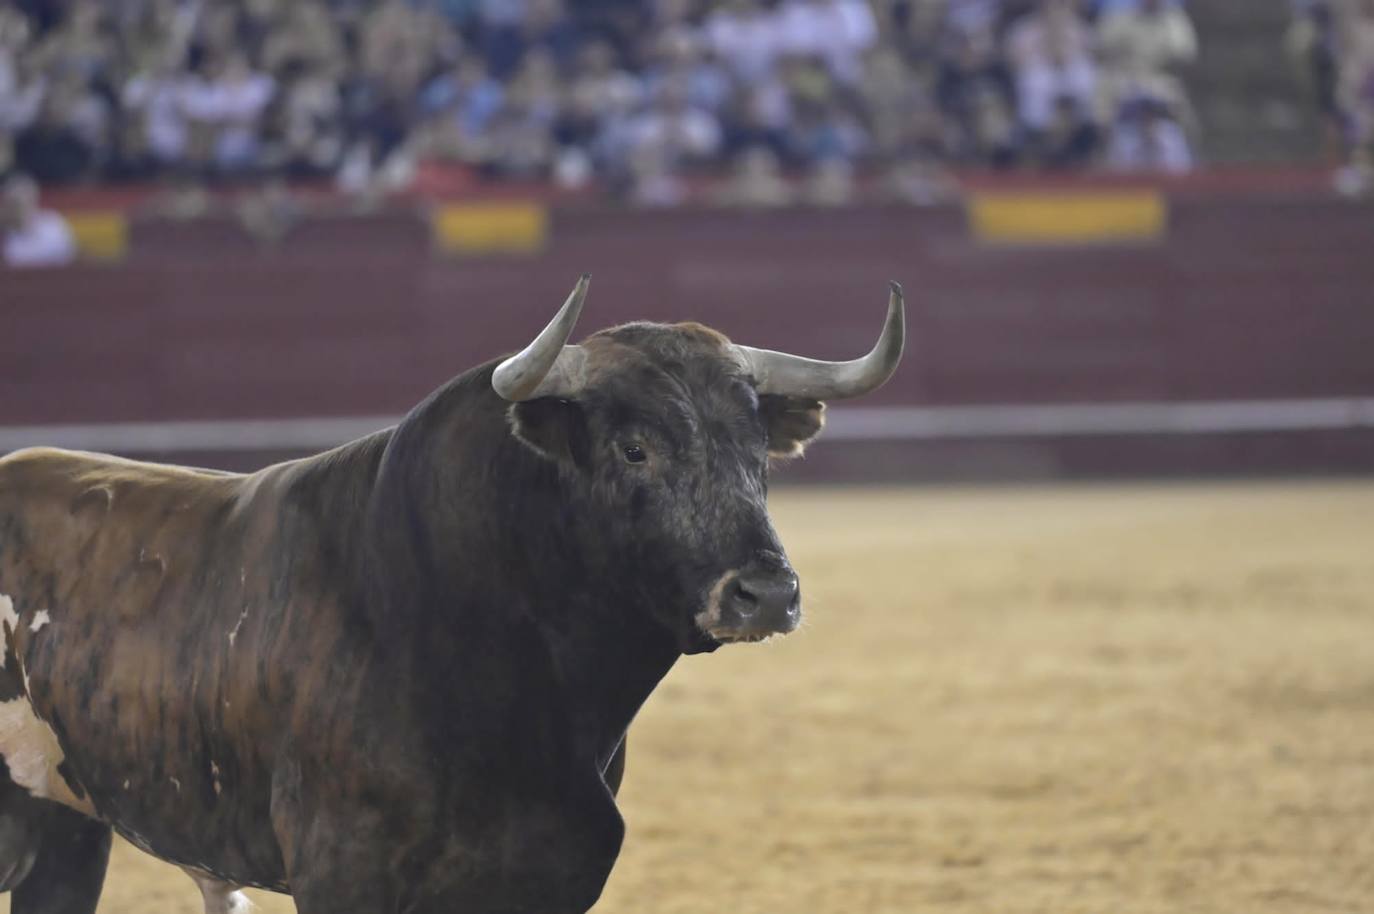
x: 1102, y: 700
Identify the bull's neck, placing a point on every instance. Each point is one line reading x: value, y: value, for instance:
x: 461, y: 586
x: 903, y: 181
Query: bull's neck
x: 500, y: 575
x: 607, y: 651
x: 608, y: 659
x: 329, y: 495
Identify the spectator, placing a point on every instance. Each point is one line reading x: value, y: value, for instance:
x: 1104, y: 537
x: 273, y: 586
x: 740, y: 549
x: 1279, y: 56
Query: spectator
x: 14, y: 37
x: 154, y: 104
x: 888, y: 95
x: 745, y: 35
x: 674, y: 131
x: 1143, y: 47
x: 309, y: 127
x: 923, y: 144
x: 914, y: 28
x: 837, y: 32
x: 681, y: 55
x: 759, y: 115
x: 1070, y: 140
x: 157, y: 36
x: 54, y: 149
x: 831, y: 183
x: 1147, y: 136
x: 653, y: 181
x: 827, y: 131
x: 1314, y: 41
x: 972, y: 80
x: 919, y: 180
x: 1051, y: 56
x: 380, y: 106
x: 600, y: 95
x: 544, y: 26
x: 462, y: 104
x: 269, y: 214
x: 34, y: 237
x: 225, y: 106
x: 23, y: 89
x: 215, y: 34
x: 79, y: 45
x: 969, y: 17
x: 305, y: 36
x: 519, y: 139
x: 756, y: 181
x: 391, y: 31
x: 601, y: 84
x: 994, y: 137
x: 1356, y: 92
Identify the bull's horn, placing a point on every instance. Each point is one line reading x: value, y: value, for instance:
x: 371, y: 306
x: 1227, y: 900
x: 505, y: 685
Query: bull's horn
x: 794, y: 376
x: 547, y: 367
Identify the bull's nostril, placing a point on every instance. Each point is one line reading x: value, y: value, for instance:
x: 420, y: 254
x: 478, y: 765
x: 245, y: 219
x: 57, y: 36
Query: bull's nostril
x: 745, y: 597
x: 764, y: 593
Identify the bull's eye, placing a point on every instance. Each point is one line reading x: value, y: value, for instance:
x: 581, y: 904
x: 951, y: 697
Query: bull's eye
x: 634, y: 453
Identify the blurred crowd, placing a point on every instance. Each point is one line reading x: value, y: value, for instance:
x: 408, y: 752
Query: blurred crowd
x: 1333, y: 40
x: 636, y: 95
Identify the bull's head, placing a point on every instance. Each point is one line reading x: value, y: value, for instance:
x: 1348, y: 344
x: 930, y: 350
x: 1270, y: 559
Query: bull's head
x: 669, y: 429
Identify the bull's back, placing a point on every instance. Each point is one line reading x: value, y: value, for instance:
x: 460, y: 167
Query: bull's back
x: 94, y: 536
x: 122, y: 583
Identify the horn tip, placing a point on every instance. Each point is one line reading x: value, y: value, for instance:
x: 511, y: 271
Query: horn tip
x: 585, y: 278
x: 896, y: 287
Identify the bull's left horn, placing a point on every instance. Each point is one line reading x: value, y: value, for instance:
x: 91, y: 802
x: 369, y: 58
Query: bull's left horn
x: 547, y: 367
x: 794, y: 376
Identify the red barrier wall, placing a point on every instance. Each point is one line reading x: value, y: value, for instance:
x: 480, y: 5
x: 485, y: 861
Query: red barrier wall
x: 1242, y: 299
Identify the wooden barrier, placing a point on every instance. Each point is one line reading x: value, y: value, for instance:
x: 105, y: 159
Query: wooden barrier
x: 1234, y: 298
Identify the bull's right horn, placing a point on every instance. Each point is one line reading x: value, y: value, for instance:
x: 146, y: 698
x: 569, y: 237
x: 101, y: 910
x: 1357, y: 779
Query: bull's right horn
x: 547, y: 367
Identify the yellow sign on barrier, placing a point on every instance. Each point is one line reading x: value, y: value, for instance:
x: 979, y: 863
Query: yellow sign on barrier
x: 1067, y: 217
x: 490, y: 228
x: 99, y: 234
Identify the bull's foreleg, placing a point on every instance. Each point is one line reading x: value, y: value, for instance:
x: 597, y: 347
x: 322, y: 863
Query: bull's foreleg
x: 69, y: 871
x: 21, y: 832
x: 338, y: 857
x: 541, y: 861
x: 339, y: 866
x: 219, y: 897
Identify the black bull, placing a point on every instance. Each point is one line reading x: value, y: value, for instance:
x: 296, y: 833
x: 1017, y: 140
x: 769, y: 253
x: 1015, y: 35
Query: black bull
x: 396, y: 676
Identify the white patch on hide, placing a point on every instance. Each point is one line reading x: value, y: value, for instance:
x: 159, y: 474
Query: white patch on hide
x: 31, y: 752
x: 214, y: 774
x: 709, y: 618
x: 27, y: 744
x: 9, y: 623
x: 243, y: 589
x: 220, y: 897
x: 238, y: 625
x: 40, y: 619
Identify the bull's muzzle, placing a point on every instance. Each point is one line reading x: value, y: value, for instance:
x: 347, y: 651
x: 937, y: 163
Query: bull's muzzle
x: 753, y: 603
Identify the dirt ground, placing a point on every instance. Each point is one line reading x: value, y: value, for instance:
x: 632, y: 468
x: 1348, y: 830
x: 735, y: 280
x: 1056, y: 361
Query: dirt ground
x: 1093, y: 699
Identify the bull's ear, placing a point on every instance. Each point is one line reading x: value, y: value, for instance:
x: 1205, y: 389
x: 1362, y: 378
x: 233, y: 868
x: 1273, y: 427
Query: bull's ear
x: 791, y: 423
x: 552, y: 428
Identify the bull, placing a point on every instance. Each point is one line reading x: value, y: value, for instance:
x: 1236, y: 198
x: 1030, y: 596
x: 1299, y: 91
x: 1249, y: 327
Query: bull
x: 396, y: 676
